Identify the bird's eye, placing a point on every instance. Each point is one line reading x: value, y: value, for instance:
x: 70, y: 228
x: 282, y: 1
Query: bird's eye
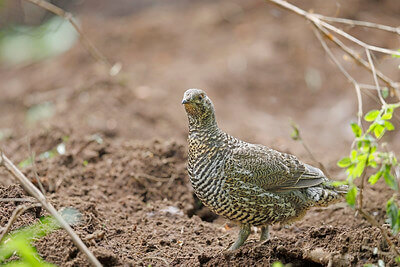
x: 200, y: 97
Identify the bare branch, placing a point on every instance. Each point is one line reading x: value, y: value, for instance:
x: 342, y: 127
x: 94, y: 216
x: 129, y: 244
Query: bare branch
x: 343, y: 70
x: 33, y: 191
x: 325, y: 28
x: 371, y: 63
x: 16, y: 199
x: 365, y: 24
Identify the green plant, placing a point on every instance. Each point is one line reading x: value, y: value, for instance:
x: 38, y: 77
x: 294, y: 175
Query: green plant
x: 20, y: 241
x: 369, y: 154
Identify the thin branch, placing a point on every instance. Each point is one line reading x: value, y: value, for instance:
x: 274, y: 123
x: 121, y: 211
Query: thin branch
x: 343, y: 70
x: 353, y: 39
x: 371, y: 63
x: 16, y: 199
x: 360, y: 195
x: 323, y: 27
x: 365, y: 24
x: 16, y: 213
x: 90, y: 47
x: 33, y: 191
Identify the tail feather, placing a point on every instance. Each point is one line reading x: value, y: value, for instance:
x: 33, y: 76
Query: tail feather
x: 326, y: 194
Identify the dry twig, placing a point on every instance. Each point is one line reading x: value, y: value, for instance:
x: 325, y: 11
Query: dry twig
x: 33, y: 191
x: 16, y: 213
x: 326, y: 29
x: 16, y: 199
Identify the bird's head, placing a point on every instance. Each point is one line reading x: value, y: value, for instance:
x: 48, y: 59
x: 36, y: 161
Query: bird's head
x: 199, y: 108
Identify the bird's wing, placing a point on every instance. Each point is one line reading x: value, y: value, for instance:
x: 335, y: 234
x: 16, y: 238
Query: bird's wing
x: 270, y: 169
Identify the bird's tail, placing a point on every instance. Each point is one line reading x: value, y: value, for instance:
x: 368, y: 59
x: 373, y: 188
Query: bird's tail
x: 326, y: 194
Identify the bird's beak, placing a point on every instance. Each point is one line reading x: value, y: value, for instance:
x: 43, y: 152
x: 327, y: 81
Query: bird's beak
x: 184, y: 101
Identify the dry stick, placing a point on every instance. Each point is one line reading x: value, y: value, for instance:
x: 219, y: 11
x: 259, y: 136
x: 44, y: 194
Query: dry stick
x: 343, y: 70
x: 365, y: 24
x: 32, y: 190
x: 321, y: 165
x: 360, y: 196
x: 371, y: 63
x: 16, y: 213
x: 85, y: 40
x: 16, y: 199
x: 357, y: 58
x: 312, y: 17
x: 322, y: 27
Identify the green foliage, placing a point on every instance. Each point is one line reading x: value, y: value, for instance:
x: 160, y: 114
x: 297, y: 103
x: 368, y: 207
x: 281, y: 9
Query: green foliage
x: 351, y: 196
x: 295, y: 133
x: 368, y: 153
x: 23, y: 44
x: 393, y: 214
x: 19, y: 241
x: 277, y: 264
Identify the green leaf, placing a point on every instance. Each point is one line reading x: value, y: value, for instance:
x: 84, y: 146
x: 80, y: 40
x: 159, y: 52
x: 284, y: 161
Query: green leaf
x: 385, y: 92
x: 390, y: 180
x: 295, y: 135
x: 277, y: 264
x: 353, y: 154
x: 392, y: 211
x: 387, y: 116
x: 372, y: 115
x: 379, y: 130
x: 375, y: 177
x: 338, y: 183
x: 351, y: 196
x: 389, y: 126
x: 356, y: 129
x: 344, y: 162
x: 396, y: 55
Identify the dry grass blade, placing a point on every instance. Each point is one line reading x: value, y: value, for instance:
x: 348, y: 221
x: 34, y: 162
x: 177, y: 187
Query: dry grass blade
x: 33, y: 191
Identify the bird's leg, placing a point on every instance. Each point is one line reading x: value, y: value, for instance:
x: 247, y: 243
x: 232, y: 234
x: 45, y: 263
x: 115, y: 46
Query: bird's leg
x: 264, y: 233
x: 243, y: 235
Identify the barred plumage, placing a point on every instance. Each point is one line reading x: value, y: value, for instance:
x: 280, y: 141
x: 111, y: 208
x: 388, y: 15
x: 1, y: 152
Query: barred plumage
x: 247, y: 183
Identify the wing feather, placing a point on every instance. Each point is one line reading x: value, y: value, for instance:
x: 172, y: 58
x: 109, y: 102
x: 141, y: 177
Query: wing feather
x: 270, y: 169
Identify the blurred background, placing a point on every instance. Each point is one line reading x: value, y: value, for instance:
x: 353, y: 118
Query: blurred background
x: 261, y: 65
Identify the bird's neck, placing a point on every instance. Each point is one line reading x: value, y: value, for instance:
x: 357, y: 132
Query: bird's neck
x: 203, y: 126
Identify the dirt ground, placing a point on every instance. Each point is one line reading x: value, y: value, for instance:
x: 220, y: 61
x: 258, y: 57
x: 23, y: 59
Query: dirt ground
x: 125, y: 136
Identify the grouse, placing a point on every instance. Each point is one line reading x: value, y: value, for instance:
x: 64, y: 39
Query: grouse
x: 248, y: 183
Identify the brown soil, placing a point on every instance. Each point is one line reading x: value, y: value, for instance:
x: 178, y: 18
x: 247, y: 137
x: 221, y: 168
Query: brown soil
x: 131, y: 184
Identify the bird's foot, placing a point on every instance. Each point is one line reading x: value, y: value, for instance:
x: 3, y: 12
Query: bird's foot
x: 243, y: 235
x: 264, y: 233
